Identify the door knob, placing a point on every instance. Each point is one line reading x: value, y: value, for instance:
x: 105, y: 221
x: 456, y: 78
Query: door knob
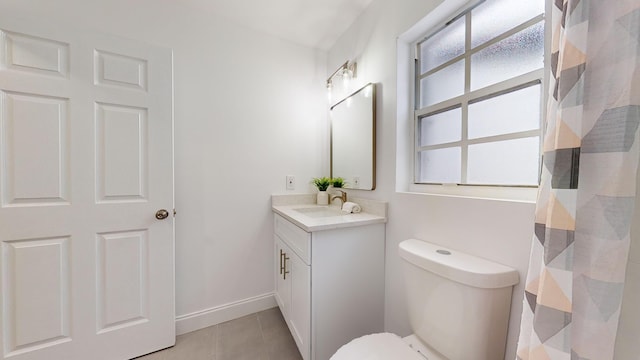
x: 162, y: 214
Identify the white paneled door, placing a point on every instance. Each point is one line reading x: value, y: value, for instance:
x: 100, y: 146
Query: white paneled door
x: 86, y: 163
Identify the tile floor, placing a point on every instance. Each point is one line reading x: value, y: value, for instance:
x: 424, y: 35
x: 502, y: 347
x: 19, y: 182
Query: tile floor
x: 259, y: 336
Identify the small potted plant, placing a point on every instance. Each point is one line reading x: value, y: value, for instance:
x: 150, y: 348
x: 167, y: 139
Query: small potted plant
x: 338, y: 182
x: 322, y: 184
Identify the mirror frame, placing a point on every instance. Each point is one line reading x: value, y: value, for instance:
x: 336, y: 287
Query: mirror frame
x: 373, y: 134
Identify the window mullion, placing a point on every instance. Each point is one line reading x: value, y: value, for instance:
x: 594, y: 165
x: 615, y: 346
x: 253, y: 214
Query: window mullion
x: 521, y: 81
x: 440, y: 67
x: 464, y: 150
x: 464, y: 144
x: 417, y: 99
x: 482, y: 140
x: 417, y: 163
x: 503, y: 137
x: 439, y: 146
x: 416, y: 105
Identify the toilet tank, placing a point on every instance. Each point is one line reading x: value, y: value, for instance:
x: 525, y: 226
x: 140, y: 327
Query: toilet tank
x: 458, y: 304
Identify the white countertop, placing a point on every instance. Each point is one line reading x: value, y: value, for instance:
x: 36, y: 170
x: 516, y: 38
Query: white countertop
x: 310, y: 224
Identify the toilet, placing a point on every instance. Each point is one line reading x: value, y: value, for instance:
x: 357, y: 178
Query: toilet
x: 458, y: 306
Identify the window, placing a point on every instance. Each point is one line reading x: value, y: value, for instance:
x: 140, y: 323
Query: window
x: 479, y: 95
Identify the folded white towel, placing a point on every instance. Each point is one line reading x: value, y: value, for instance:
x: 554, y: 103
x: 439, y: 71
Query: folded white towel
x: 351, y: 207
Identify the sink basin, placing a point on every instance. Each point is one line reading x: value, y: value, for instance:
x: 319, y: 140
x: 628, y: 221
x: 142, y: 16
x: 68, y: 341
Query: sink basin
x: 320, y: 212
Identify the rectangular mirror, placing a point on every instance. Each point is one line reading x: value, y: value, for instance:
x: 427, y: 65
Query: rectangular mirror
x: 353, y: 139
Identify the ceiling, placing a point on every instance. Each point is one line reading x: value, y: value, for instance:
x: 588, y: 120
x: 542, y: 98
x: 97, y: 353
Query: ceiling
x: 313, y: 23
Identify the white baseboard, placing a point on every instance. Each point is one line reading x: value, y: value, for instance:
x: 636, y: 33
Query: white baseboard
x: 219, y: 314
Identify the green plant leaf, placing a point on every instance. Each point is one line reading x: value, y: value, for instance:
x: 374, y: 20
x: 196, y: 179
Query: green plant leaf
x: 338, y: 182
x: 321, y: 183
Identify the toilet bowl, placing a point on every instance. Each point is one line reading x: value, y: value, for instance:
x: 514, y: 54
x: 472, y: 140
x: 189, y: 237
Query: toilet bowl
x: 385, y: 346
x: 458, y: 306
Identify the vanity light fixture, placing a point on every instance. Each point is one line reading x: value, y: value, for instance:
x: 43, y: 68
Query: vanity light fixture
x: 346, y: 71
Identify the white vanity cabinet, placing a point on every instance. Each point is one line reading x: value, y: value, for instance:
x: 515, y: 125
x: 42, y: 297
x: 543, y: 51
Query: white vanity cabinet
x: 329, y: 284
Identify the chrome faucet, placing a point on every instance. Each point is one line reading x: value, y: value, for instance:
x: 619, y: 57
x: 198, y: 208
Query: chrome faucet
x: 342, y: 196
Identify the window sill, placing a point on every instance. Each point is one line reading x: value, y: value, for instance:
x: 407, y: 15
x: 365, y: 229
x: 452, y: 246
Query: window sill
x: 499, y: 193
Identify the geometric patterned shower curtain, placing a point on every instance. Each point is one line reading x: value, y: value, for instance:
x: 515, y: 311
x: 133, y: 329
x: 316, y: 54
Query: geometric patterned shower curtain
x: 574, y: 286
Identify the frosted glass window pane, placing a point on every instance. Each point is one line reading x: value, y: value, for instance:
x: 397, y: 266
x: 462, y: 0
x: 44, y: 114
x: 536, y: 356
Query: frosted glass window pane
x: 516, y: 55
x: 440, y: 166
x: 441, y: 128
x: 443, y: 85
x: 443, y: 46
x: 510, y: 162
x: 494, y: 17
x: 508, y: 113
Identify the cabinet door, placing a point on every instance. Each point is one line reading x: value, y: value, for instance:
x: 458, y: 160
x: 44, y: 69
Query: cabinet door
x: 300, y: 308
x: 293, y: 294
x: 283, y: 287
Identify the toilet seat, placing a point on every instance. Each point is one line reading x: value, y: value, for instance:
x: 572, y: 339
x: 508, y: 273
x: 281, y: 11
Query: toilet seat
x: 382, y: 346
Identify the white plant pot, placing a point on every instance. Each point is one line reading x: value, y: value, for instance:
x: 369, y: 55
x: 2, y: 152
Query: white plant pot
x: 323, y: 198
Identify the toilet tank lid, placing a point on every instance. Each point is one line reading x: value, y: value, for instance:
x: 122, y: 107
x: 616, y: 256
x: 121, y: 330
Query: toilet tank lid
x: 457, y: 266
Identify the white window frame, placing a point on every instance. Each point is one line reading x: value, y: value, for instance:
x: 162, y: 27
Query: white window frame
x: 408, y: 72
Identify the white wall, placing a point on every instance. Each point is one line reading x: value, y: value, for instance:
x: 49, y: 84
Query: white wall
x: 249, y: 109
x: 498, y: 230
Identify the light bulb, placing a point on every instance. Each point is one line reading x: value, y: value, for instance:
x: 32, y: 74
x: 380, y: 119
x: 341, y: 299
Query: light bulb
x: 367, y: 91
